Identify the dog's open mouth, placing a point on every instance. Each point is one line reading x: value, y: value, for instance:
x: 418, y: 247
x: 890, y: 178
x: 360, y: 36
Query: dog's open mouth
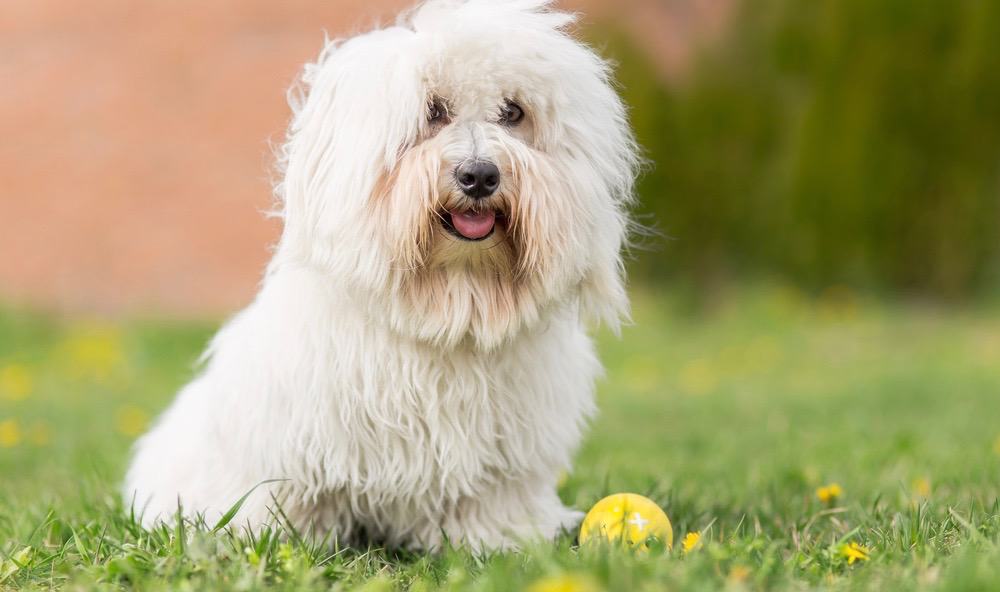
x: 471, y: 225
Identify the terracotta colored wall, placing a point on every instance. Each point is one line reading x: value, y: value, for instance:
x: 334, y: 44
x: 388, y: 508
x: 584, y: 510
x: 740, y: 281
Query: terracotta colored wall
x: 134, y: 158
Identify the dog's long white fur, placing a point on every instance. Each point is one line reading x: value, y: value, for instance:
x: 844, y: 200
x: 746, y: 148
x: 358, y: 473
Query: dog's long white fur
x: 403, y: 384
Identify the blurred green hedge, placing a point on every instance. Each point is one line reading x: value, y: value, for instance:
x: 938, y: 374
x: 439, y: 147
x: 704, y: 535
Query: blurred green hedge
x: 831, y: 142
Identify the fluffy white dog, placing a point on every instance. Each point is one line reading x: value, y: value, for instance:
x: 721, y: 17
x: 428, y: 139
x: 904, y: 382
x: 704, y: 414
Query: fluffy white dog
x: 416, y: 366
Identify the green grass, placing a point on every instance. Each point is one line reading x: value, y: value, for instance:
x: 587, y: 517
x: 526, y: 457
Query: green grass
x: 729, y: 419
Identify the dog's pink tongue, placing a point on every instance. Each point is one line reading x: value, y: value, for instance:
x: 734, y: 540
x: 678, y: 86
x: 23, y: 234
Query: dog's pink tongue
x: 473, y: 225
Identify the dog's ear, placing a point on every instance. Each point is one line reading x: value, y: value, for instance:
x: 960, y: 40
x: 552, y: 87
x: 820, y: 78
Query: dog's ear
x: 614, y: 162
x: 603, y: 295
x: 353, y: 111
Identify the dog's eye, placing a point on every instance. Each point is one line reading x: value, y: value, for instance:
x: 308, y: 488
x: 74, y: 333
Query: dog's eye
x: 437, y: 112
x: 511, y: 113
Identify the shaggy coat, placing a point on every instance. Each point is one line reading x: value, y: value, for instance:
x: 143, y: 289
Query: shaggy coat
x: 399, y: 380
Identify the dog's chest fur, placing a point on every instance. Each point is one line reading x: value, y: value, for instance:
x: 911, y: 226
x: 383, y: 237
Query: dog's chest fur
x: 355, y: 405
x: 417, y: 421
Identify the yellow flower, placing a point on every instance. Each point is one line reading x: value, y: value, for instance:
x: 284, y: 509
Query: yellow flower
x: 16, y: 382
x: 10, y: 433
x: 855, y: 552
x: 921, y: 487
x: 94, y: 351
x: 996, y: 445
x: 564, y: 583
x: 828, y: 493
x: 691, y: 540
x: 131, y: 421
x: 698, y: 377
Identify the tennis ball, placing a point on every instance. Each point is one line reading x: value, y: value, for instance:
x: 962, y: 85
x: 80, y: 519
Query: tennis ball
x: 629, y: 519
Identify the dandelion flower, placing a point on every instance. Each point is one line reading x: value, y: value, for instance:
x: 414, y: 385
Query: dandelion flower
x: 131, y: 421
x: 691, y: 540
x: 564, y: 583
x: 698, y: 378
x: 94, y: 351
x: 996, y: 445
x: 921, y: 487
x: 829, y: 493
x: 10, y: 433
x: 855, y: 552
x: 16, y: 382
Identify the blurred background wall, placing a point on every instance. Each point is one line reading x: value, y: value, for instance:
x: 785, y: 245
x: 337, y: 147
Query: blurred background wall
x: 828, y: 143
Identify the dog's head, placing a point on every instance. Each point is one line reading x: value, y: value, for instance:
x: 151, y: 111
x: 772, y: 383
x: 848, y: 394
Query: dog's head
x: 465, y: 172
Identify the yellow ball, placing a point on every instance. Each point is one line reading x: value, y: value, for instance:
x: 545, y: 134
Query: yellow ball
x: 627, y: 518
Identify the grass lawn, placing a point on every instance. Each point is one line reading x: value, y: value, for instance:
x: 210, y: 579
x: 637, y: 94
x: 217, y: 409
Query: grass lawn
x: 733, y: 421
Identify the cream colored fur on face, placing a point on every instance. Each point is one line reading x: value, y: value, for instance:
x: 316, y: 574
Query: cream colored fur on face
x: 403, y: 384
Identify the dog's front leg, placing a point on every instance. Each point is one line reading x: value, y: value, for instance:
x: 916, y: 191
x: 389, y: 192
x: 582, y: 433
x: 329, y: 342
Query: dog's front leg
x: 500, y: 519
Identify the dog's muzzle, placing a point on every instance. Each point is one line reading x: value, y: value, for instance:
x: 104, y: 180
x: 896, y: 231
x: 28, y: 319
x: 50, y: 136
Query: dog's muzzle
x: 478, y: 180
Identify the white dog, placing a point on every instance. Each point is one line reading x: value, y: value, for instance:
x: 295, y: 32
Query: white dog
x: 416, y: 366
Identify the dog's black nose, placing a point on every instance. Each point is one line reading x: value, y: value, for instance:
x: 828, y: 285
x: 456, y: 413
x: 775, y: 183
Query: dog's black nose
x: 478, y: 178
